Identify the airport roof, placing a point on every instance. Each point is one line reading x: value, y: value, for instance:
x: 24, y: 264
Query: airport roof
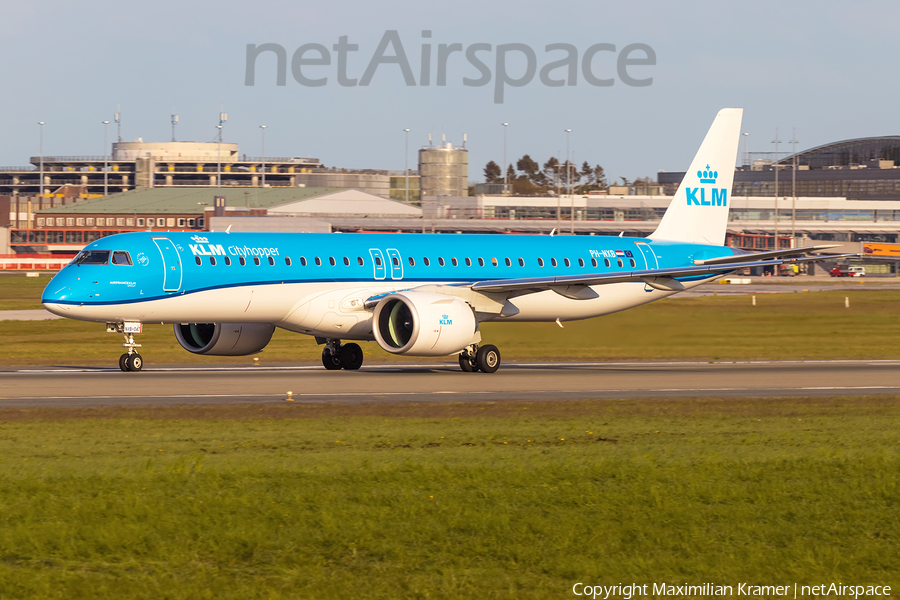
x: 188, y: 200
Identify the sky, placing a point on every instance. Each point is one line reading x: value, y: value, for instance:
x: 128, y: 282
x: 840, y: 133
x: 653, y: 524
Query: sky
x: 823, y: 69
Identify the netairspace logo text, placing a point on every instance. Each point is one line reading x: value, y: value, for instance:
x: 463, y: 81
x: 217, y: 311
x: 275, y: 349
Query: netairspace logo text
x: 313, y: 65
x: 628, y: 591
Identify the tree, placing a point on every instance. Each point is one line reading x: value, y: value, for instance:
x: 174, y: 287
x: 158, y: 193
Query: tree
x: 527, y: 166
x: 600, y: 178
x: 492, y: 173
x: 510, y: 174
x: 587, y: 172
x: 551, y: 171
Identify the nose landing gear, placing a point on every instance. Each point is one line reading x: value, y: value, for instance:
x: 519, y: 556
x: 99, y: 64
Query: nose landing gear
x: 131, y: 360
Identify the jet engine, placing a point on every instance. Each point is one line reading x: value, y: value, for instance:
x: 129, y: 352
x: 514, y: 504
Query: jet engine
x: 423, y: 324
x: 224, y: 339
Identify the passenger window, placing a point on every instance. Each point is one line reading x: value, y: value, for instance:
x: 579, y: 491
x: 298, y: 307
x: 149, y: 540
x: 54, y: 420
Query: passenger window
x: 256, y: 260
x: 540, y: 262
x: 212, y: 260
x: 197, y: 258
x: 346, y: 262
x: 120, y: 257
x: 318, y: 262
x: 227, y: 262
x: 566, y: 260
x: 360, y: 260
x: 425, y: 261
x: 396, y: 261
x: 594, y: 262
x: 619, y: 262
x: 302, y: 261
x: 412, y: 261
x: 631, y: 260
x: 521, y: 262
x: 480, y: 262
x: 553, y: 261
x: 494, y: 261
x: 454, y: 262
x: 580, y: 262
x: 331, y: 261
x: 441, y: 260
x: 287, y: 260
x: 606, y: 262
x: 468, y: 262
x: 271, y: 261
x: 242, y: 260
x: 508, y: 262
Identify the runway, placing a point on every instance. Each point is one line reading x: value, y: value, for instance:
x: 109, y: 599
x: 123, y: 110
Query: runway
x: 190, y: 385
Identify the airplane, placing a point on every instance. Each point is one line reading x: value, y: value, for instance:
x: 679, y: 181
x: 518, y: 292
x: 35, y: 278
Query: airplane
x: 414, y: 294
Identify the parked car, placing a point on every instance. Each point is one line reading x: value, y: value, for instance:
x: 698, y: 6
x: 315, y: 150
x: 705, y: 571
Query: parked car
x: 840, y: 270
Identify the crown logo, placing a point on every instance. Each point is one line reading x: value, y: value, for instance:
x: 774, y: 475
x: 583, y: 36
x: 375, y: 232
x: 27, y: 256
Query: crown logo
x: 708, y: 175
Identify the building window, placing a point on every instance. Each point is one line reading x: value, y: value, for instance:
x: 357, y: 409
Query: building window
x: 201, y: 221
x: 192, y: 222
x: 70, y: 221
x: 129, y: 221
x: 140, y: 222
x: 40, y: 221
x: 110, y: 222
x: 120, y: 222
x: 79, y: 221
x: 181, y: 222
x: 90, y: 221
x: 170, y: 222
x: 151, y: 223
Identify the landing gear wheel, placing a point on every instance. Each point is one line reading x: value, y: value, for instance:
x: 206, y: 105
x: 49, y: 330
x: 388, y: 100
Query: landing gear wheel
x: 488, y: 358
x: 467, y: 364
x: 122, y: 360
x: 332, y: 362
x: 351, y: 357
x: 134, y: 362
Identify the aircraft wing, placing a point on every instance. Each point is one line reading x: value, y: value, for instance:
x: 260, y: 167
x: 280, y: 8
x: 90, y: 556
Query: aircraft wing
x: 575, y: 286
x: 748, y: 256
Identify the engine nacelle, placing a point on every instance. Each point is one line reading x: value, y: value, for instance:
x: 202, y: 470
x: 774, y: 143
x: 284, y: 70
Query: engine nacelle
x: 224, y: 339
x: 423, y: 324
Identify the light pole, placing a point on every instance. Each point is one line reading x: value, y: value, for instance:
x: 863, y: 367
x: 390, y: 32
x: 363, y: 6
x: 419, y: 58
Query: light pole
x: 746, y: 148
x: 776, y: 141
x: 505, y: 173
x: 406, y: 165
x: 794, y: 187
x: 569, y: 177
x: 262, y: 128
x: 222, y: 118
x: 105, y: 161
x: 41, y: 123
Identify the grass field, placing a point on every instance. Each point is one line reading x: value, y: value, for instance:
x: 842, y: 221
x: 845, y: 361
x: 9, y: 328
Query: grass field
x: 505, y: 500
x: 813, y: 325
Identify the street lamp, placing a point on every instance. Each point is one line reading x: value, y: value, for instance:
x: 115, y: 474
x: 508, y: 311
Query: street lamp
x: 41, y: 123
x: 505, y: 171
x: 105, y: 162
x: 794, y: 188
x: 746, y: 148
x: 263, y: 129
x: 569, y: 180
x: 776, y: 141
x: 222, y: 118
x: 406, y: 165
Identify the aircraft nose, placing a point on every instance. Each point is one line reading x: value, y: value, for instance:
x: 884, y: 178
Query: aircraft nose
x: 55, y: 297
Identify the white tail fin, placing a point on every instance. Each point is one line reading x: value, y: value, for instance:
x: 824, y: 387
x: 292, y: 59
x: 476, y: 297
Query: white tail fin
x: 699, y: 211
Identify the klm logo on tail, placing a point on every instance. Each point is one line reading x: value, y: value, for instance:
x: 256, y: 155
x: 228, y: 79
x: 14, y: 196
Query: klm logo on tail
x: 697, y: 195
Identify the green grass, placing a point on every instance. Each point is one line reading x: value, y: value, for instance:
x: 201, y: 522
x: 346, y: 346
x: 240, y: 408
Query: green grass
x: 508, y: 500
x: 18, y: 292
x: 813, y: 325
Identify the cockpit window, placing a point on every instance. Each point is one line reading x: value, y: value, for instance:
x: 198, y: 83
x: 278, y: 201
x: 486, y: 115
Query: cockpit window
x: 92, y: 257
x: 120, y: 257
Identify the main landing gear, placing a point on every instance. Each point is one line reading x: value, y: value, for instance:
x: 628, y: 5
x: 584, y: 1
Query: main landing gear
x: 336, y: 356
x: 479, y: 358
